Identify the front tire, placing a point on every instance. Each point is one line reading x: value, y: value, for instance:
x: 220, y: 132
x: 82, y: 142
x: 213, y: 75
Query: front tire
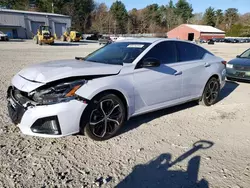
x: 69, y: 39
x: 40, y: 42
x: 104, y: 117
x: 211, y: 92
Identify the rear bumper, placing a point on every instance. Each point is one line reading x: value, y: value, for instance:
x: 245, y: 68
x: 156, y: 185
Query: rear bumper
x: 238, y: 78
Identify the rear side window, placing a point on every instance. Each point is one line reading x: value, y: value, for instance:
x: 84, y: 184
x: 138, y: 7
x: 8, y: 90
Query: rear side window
x: 164, y: 51
x: 189, y: 52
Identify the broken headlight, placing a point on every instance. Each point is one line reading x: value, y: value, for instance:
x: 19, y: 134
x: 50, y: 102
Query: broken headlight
x: 59, y: 93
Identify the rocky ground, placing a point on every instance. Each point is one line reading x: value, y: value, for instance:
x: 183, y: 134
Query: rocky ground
x: 185, y: 146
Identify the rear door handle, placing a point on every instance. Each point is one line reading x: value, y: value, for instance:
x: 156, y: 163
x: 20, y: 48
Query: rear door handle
x: 207, y: 65
x: 178, y: 73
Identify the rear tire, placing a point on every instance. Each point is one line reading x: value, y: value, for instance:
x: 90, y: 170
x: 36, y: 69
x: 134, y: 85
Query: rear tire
x: 63, y: 38
x: 36, y: 39
x: 211, y: 92
x: 104, y: 117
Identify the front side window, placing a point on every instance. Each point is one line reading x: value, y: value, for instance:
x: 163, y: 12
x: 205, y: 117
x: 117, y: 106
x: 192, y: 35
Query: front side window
x: 164, y: 51
x: 245, y: 54
x: 118, y: 53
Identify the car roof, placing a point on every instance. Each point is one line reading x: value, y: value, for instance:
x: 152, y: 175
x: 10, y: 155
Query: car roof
x: 144, y: 40
x: 149, y: 40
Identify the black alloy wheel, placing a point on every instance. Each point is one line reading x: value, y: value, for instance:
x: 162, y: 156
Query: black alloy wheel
x: 211, y: 92
x: 106, y: 116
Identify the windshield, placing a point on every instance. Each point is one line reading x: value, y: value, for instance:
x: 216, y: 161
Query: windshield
x: 1, y: 32
x: 118, y: 53
x: 45, y: 28
x: 245, y: 54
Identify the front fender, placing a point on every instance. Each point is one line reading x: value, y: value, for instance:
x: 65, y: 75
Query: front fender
x: 118, y: 83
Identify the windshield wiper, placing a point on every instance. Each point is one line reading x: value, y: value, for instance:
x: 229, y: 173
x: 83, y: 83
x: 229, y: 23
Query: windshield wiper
x: 245, y: 57
x: 80, y: 58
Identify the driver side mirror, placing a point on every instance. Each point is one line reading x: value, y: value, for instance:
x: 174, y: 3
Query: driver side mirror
x: 238, y: 56
x: 150, y: 62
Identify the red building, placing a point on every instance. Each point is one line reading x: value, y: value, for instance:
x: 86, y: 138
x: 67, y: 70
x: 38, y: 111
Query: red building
x: 193, y: 32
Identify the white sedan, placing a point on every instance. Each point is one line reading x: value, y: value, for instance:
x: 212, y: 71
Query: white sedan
x: 98, y: 93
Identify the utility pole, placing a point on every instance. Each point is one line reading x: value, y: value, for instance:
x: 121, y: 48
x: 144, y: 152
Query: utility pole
x: 52, y: 4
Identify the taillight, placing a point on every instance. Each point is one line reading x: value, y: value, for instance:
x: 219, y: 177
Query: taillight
x: 224, y: 62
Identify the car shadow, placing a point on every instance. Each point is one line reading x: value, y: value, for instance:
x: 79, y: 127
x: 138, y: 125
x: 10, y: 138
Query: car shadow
x: 14, y: 40
x: 67, y: 44
x: 135, y: 122
x: 89, y: 41
x: 229, y: 87
x: 157, y: 173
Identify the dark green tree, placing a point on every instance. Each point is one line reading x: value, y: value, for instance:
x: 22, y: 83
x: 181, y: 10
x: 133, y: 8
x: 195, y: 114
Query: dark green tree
x: 171, y: 4
x: 120, y: 15
x: 209, y: 17
x: 134, y: 21
x: 184, y: 10
x: 171, y: 17
x: 54, y: 6
x: 231, y: 16
x: 81, y: 14
x: 15, y: 4
x: 219, y: 17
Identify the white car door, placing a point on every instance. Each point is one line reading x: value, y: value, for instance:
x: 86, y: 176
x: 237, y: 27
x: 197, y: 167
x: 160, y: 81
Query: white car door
x: 156, y: 85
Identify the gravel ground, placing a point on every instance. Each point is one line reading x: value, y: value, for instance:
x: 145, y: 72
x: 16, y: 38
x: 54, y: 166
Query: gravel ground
x: 185, y: 146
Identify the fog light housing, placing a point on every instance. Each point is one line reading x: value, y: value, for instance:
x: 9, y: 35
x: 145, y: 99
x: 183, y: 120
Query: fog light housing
x: 47, y: 125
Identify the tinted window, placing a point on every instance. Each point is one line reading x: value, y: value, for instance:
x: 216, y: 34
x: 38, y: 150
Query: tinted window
x: 164, y: 51
x: 189, y: 52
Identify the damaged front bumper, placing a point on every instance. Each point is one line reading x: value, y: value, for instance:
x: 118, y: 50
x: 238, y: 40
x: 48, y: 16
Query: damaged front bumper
x: 54, y: 120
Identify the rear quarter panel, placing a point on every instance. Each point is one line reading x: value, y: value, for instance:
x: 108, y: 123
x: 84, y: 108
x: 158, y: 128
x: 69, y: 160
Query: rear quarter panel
x: 216, y: 68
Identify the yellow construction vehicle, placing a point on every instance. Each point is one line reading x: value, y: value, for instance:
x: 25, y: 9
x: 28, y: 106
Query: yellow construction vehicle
x: 44, y: 35
x: 71, y: 35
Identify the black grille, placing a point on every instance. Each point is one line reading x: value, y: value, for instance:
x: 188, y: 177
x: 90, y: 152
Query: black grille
x: 47, y: 125
x: 46, y: 36
x: 241, y: 68
x: 15, y: 108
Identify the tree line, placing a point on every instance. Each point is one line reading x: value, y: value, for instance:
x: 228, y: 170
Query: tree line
x: 88, y: 16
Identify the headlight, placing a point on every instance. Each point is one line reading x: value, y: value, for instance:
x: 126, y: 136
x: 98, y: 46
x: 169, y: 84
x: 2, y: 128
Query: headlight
x: 59, y: 93
x: 230, y: 66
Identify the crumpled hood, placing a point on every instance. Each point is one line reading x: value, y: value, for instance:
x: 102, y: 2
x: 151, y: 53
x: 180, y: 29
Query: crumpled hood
x: 56, y: 70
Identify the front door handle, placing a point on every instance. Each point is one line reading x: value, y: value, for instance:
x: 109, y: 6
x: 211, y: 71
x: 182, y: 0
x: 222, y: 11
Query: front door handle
x: 207, y: 65
x: 178, y: 73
